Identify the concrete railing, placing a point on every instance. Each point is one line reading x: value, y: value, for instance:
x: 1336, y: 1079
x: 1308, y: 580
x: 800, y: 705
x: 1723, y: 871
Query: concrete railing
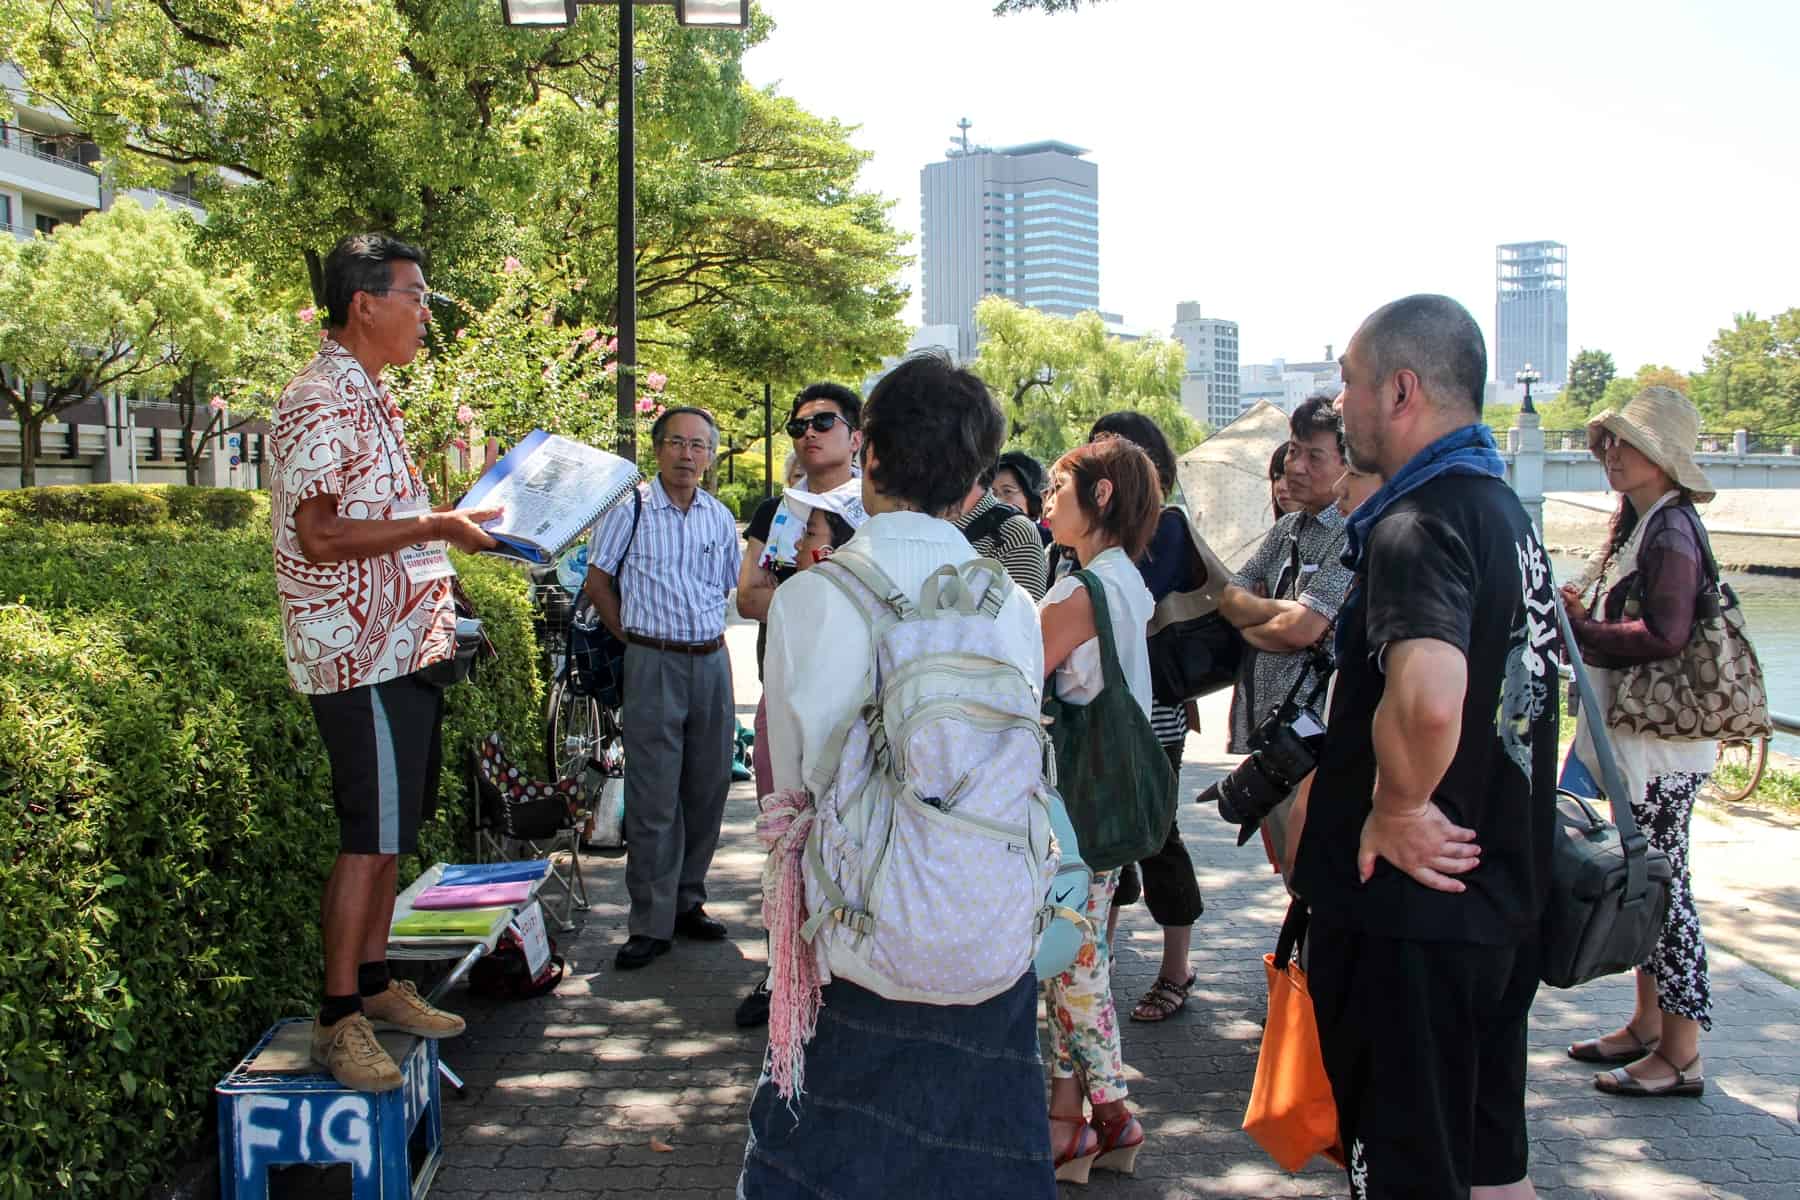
x: 1533, y: 469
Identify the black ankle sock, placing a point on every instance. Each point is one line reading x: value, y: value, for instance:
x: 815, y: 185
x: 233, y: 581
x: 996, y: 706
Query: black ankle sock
x: 372, y: 978
x: 336, y: 1008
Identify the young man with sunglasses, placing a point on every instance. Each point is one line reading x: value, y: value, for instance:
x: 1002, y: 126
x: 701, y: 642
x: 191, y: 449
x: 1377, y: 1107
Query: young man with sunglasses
x: 826, y: 427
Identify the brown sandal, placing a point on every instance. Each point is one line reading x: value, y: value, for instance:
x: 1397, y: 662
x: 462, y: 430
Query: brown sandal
x: 1164, y: 999
x: 1595, y: 1052
x: 1619, y: 1081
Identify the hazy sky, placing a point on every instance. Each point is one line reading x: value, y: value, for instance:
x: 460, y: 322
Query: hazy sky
x: 1291, y: 164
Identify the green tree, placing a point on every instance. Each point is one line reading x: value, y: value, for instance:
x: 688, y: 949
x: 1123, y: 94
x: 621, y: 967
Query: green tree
x: 1054, y: 376
x: 1751, y: 377
x: 252, y: 355
x: 479, y: 142
x: 1589, y: 373
x: 1621, y: 390
x: 114, y: 302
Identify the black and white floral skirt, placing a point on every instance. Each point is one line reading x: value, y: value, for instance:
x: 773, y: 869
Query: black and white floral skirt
x: 1679, y: 960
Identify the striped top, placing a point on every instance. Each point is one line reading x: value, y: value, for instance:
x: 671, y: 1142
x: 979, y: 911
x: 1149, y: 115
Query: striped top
x: 1016, y: 544
x: 678, y: 577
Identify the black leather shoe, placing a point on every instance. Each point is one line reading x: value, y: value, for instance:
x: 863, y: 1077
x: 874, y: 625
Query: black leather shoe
x: 638, y: 950
x: 753, y: 1010
x: 694, y: 923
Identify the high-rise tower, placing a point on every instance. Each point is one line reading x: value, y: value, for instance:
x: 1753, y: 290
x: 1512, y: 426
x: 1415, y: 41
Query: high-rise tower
x: 1531, y: 311
x: 1021, y: 222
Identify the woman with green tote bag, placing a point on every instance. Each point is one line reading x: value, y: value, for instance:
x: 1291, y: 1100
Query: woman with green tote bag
x: 1104, y: 507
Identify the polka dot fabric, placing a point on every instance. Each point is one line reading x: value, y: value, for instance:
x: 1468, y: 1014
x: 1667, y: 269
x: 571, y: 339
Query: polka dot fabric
x: 936, y: 825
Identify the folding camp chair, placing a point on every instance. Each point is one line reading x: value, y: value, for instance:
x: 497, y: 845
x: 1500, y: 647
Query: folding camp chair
x: 517, y: 818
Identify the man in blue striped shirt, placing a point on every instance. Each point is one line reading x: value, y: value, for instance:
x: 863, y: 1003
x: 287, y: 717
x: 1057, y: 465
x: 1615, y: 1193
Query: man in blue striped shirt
x: 674, y: 554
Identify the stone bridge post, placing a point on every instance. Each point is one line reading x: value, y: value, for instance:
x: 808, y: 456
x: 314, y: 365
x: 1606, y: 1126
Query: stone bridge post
x: 1525, y: 441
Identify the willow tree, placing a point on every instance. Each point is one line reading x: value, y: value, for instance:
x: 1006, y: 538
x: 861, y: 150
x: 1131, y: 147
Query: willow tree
x: 1055, y: 376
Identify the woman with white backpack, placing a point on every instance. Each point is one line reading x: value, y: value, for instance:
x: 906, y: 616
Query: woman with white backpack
x: 1104, y: 507
x: 903, y: 1056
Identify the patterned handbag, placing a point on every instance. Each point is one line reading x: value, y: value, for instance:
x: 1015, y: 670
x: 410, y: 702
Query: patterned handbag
x: 1713, y: 689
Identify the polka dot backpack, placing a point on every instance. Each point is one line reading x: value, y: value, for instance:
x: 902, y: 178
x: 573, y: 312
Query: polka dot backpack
x: 930, y: 862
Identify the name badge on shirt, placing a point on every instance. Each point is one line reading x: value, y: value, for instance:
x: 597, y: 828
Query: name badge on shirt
x: 424, y: 561
x: 1308, y: 568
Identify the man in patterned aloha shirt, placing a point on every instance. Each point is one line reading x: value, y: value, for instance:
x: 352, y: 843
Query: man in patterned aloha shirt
x: 366, y: 609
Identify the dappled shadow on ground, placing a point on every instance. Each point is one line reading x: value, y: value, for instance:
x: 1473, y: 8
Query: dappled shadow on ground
x: 622, y: 1082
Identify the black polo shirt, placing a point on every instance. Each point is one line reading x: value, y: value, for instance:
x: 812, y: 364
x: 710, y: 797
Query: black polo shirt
x: 1457, y: 561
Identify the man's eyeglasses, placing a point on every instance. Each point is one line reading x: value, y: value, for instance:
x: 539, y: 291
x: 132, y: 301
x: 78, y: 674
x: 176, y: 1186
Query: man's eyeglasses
x: 818, y: 423
x: 416, y: 295
x: 694, y: 445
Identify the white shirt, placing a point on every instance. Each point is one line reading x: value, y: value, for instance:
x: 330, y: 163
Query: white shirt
x: 820, y: 659
x: 1128, y: 606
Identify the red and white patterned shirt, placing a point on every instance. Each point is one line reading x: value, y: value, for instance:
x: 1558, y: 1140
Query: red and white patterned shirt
x: 347, y: 624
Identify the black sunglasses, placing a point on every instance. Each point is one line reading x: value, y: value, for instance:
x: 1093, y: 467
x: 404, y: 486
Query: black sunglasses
x: 819, y: 423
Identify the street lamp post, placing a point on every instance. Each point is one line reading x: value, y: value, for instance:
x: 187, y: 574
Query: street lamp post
x: 560, y: 14
x: 1527, y: 377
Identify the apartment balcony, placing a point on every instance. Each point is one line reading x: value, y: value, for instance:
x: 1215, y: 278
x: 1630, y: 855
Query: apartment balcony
x: 150, y: 197
x: 41, y: 175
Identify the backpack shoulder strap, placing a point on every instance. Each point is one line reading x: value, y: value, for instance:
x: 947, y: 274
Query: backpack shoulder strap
x: 979, y: 586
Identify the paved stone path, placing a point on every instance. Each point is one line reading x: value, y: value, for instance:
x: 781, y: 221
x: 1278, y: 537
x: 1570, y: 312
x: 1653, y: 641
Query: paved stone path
x: 636, y: 1084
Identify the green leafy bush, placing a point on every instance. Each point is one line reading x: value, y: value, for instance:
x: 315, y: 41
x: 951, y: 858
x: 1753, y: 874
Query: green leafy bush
x: 100, y: 503
x: 742, y: 498
x: 167, y: 829
x: 219, y: 508
x: 137, y: 504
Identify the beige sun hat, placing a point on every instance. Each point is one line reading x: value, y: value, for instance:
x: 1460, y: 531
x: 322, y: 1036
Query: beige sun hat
x: 1664, y: 426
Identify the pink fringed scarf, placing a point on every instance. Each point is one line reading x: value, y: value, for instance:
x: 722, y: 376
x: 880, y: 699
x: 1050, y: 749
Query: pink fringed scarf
x: 783, y: 825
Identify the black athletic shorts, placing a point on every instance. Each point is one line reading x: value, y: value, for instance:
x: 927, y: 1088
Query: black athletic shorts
x: 385, y: 744
x: 1424, y: 1043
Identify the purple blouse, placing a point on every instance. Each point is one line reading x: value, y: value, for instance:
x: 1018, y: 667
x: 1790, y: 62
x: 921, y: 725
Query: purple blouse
x: 1671, y: 570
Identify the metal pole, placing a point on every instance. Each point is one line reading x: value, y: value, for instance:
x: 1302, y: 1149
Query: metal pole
x: 768, y: 443
x: 627, y: 374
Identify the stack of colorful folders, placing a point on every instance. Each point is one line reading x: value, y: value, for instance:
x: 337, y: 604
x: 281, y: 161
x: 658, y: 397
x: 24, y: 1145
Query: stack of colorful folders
x: 468, y: 899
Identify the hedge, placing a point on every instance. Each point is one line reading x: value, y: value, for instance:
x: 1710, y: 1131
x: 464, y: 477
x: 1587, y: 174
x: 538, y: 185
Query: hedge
x: 168, y: 829
x: 138, y: 504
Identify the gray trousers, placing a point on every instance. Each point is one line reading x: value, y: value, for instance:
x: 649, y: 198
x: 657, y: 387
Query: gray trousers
x: 680, y: 729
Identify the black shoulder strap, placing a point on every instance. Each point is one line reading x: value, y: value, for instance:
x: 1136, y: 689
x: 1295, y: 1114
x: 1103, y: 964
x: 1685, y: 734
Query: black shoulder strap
x: 637, y: 512
x: 988, y: 523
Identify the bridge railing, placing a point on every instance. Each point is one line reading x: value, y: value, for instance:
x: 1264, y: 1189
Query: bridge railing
x: 1710, y: 441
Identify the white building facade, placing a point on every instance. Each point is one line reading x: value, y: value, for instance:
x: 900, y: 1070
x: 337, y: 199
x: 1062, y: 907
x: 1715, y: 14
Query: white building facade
x: 1210, y: 385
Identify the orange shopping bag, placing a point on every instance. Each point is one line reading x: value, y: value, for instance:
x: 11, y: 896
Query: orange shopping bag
x: 1291, y: 1113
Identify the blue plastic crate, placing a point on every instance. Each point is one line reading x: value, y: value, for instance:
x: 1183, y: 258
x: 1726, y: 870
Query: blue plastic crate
x: 305, y: 1118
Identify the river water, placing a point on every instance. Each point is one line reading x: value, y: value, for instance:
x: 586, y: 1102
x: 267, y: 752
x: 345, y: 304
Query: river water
x: 1772, y: 617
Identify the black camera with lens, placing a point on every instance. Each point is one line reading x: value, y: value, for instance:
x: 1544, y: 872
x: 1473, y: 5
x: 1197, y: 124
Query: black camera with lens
x: 1283, y: 749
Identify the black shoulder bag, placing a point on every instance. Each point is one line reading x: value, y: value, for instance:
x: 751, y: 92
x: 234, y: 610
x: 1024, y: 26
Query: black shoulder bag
x: 596, y: 656
x: 1194, y: 650
x: 1609, y: 890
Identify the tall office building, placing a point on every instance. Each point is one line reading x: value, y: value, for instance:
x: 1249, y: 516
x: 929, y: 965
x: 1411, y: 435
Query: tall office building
x: 1209, y: 378
x: 1021, y: 222
x: 1531, y: 311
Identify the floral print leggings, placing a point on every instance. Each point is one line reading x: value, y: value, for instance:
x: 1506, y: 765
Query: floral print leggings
x: 1679, y: 960
x: 1084, y: 1029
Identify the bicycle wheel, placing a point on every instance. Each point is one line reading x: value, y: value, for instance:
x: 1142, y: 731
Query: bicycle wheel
x: 572, y: 731
x: 1751, y: 757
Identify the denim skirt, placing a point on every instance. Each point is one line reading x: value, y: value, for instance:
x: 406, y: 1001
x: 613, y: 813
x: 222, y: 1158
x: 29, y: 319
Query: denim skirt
x: 909, y: 1100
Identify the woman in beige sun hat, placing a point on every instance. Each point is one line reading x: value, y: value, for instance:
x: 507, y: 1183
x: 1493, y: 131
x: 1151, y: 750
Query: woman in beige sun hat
x: 1642, y: 610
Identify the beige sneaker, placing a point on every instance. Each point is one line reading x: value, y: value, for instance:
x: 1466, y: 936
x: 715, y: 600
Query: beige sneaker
x: 355, y: 1059
x: 401, y: 1007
